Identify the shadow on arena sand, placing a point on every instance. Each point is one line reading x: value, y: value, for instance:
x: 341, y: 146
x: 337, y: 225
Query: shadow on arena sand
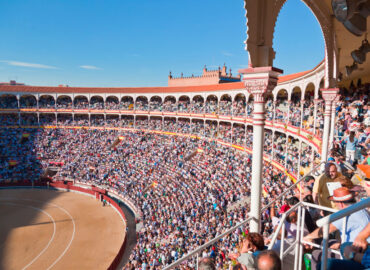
x: 20, y: 166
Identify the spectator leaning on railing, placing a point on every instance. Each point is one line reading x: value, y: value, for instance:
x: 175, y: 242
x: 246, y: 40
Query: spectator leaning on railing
x: 356, y: 254
x: 356, y: 222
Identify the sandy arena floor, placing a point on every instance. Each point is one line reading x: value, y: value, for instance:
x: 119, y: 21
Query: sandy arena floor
x: 45, y: 229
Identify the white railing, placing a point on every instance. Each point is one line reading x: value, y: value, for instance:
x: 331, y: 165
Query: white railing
x: 198, y: 250
x: 297, y: 245
x: 325, y: 221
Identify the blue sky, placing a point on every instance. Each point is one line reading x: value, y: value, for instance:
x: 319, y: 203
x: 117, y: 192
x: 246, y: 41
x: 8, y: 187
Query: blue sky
x: 121, y: 43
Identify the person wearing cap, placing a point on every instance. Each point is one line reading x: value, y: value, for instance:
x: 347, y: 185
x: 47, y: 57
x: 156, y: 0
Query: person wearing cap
x: 320, y: 192
x: 356, y: 254
x: 356, y: 222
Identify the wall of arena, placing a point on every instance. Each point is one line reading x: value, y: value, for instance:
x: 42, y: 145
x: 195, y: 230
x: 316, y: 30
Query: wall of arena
x: 86, y: 190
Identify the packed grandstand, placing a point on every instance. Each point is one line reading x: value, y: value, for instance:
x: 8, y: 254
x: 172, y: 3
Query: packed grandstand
x: 184, y: 163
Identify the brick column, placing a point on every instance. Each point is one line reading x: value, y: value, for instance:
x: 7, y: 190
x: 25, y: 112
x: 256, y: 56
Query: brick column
x: 328, y: 95
x: 259, y: 82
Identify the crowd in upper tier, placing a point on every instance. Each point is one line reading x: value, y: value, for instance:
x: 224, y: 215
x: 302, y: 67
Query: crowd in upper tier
x: 190, y: 189
x: 283, y: 151
x: 295, y: 112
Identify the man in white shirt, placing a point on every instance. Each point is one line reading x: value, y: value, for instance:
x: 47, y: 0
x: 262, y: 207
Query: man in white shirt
x: 356, y: 222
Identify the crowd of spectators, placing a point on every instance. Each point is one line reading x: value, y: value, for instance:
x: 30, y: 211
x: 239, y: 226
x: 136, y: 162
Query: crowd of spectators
x: 64, y: 102
x: 8, y: 102
x: 46, y: 102
x: 184, y: 202
x: 190, y: 190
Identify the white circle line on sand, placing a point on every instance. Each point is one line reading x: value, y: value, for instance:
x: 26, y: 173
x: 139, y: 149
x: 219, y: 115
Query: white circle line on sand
x: 51, y: 239
x: 70, y: 242
x: 73, y: 222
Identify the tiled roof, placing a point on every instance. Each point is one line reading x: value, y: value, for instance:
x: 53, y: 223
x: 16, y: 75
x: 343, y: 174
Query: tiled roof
x: 143, y: 90
x: 128, y: 90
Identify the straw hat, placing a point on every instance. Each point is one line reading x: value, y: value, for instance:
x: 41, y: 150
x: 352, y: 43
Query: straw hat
x: 341, y: 194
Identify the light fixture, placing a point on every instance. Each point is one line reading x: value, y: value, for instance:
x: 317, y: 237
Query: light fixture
x: 352, y: 13
x: 359, y: 55
x: 350, y: 69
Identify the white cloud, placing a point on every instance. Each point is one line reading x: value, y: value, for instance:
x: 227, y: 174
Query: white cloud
x: 25, y: 64
x: 227, y: 54
x: 90, y: 67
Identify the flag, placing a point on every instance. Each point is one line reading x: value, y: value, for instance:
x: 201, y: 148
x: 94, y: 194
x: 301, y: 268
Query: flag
x: 12, y: 163
x: 155, y: 184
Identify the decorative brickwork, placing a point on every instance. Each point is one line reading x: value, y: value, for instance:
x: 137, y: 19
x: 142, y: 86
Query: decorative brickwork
x: 208, y: 77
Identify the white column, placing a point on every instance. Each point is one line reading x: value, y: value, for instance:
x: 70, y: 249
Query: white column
x: 288, y: 113
x: 258, y: 82
x: 328, y: 96
x: 301, y: 125
x: 332, y: 123
x: 272, y: 144
x: 258, y: 136
x: 286, y: 150
x: 316, y: 101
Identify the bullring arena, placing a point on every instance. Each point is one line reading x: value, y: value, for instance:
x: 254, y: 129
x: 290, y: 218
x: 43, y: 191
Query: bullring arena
x: 53, y: 229
x: 216, y: 170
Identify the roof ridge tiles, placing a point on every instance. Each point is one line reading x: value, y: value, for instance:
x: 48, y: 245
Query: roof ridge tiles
x: 134, y: 90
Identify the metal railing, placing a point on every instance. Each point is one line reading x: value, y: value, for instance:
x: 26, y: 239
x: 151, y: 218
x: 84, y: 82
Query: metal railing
x: 325, y: 221
x: 198, y: 250
x: 298, y: 243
